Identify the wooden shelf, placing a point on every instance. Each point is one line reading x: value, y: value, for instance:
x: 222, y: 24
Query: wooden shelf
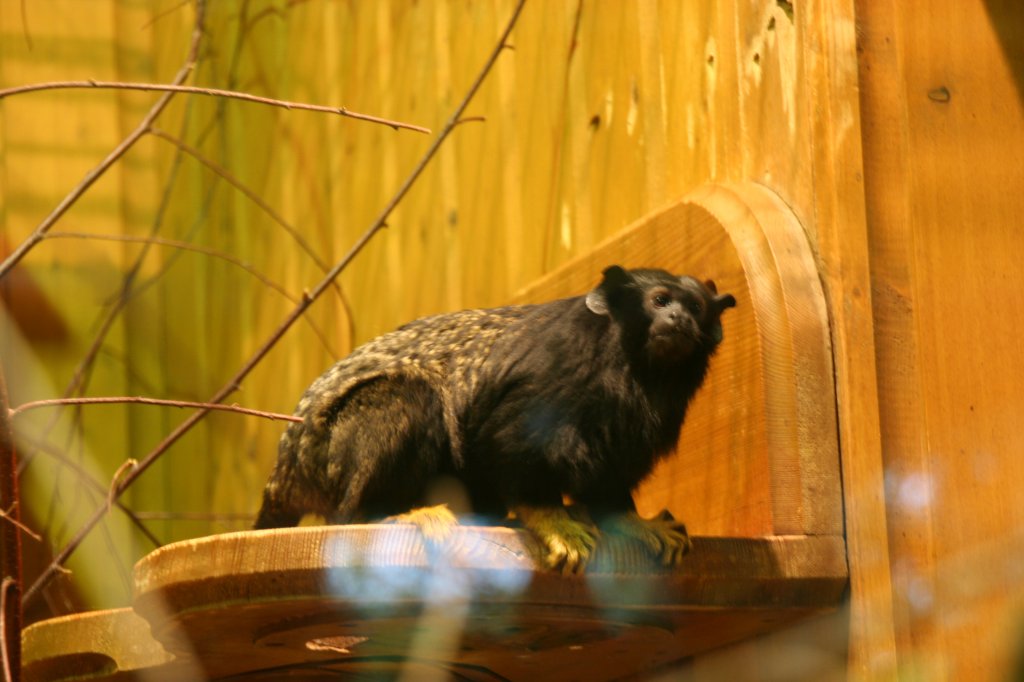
x: 367, y: 599
x: 755, y: 478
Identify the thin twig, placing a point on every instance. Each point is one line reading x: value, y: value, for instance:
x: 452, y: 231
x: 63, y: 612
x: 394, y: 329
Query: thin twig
x: 235, y: 380
x: 111, y: 400
x: 164, y: 13
x: 266, y: 208
x: 214, y: 253
x: 24, y: 27
x: 126, y: 466
x: 8, y: 515
x: 251, y: 195
x: 86, y: 476
x: 176, y: 244
x: 119, y: 151
x: 209, y: 92
x: 124, y: 295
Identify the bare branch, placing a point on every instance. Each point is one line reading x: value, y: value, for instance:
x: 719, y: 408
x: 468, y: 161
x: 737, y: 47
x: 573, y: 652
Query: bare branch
x: 184, y: 246
x: 165, y: 13
x: 88, y: 478
x: 209, y: 92
x: 8, y: 515
x: 297, y: 312
x: 187, y: 246
x: 126, y: 466
x: 251, y: 195
x: 269, y: 210
x: 111, y: 400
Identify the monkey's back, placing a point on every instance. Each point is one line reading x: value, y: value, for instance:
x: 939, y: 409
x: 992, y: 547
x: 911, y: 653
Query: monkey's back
x: 411, y: 389
x: 448, y: 352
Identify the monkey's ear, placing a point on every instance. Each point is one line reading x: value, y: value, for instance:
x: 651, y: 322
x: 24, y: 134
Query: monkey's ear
x: 710, y: 284
x: 725, y: 301
x: 721, y: 302
x: 614, y: 277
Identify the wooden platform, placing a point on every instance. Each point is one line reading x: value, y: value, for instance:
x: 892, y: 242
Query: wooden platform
x: 369, y: 599
x: 755, y: 478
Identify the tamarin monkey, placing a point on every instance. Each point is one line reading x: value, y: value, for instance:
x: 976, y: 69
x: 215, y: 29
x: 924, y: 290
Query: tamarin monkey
x: 523, y: 405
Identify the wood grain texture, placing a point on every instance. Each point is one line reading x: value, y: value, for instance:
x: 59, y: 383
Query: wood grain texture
x: 944, y: 134
x: 255, y: 600
x: 362, y: 599
x: 828, y: 44
x: 758, y: 453
x: 92, y: 645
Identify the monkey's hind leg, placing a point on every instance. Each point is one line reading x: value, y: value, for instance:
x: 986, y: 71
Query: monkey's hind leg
x: 665, y: 537
x: 567, y: 543
x: 387, y: 444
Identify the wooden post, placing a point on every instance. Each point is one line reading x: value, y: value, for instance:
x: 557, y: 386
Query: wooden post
x: 10, y: 544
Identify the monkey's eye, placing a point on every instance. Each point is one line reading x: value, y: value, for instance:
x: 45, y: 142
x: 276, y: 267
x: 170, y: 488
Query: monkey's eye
x: 661, y: 300
x: 694, y: 306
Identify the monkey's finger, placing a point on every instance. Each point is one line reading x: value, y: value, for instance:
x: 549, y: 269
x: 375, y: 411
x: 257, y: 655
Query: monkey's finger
x: 682, y: 549
x: 569, y: 567
x: 567, y: 556
x: 575, y: 563
x: 673, y: 555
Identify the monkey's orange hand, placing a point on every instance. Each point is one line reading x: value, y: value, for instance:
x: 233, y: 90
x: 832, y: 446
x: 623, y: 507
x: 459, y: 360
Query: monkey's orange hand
x: 665, y: 537
x: 567, y: 543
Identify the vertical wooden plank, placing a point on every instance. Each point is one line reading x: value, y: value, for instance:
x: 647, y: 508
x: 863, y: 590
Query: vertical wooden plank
x: 886, y: 167
x: 944, y: 134
x: 828, y: 44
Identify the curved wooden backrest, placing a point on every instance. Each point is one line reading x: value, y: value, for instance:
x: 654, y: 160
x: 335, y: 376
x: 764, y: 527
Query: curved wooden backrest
x: 759, y: 453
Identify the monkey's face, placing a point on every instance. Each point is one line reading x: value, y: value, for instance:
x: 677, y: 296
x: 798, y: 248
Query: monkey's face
x: 675, y: 313
x: 668, y: 317
x: 684, y: 318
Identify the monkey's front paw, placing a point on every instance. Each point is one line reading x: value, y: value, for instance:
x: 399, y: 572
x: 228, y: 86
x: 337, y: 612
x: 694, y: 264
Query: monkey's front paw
x: 566, y: 543
x: 665, y: 537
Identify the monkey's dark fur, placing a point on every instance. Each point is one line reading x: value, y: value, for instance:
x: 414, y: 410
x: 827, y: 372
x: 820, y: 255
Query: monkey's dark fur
x: 522, y: 404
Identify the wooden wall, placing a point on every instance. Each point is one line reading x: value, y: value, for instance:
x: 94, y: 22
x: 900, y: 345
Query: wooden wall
x: 943, y: 111
x: 895, y: 133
